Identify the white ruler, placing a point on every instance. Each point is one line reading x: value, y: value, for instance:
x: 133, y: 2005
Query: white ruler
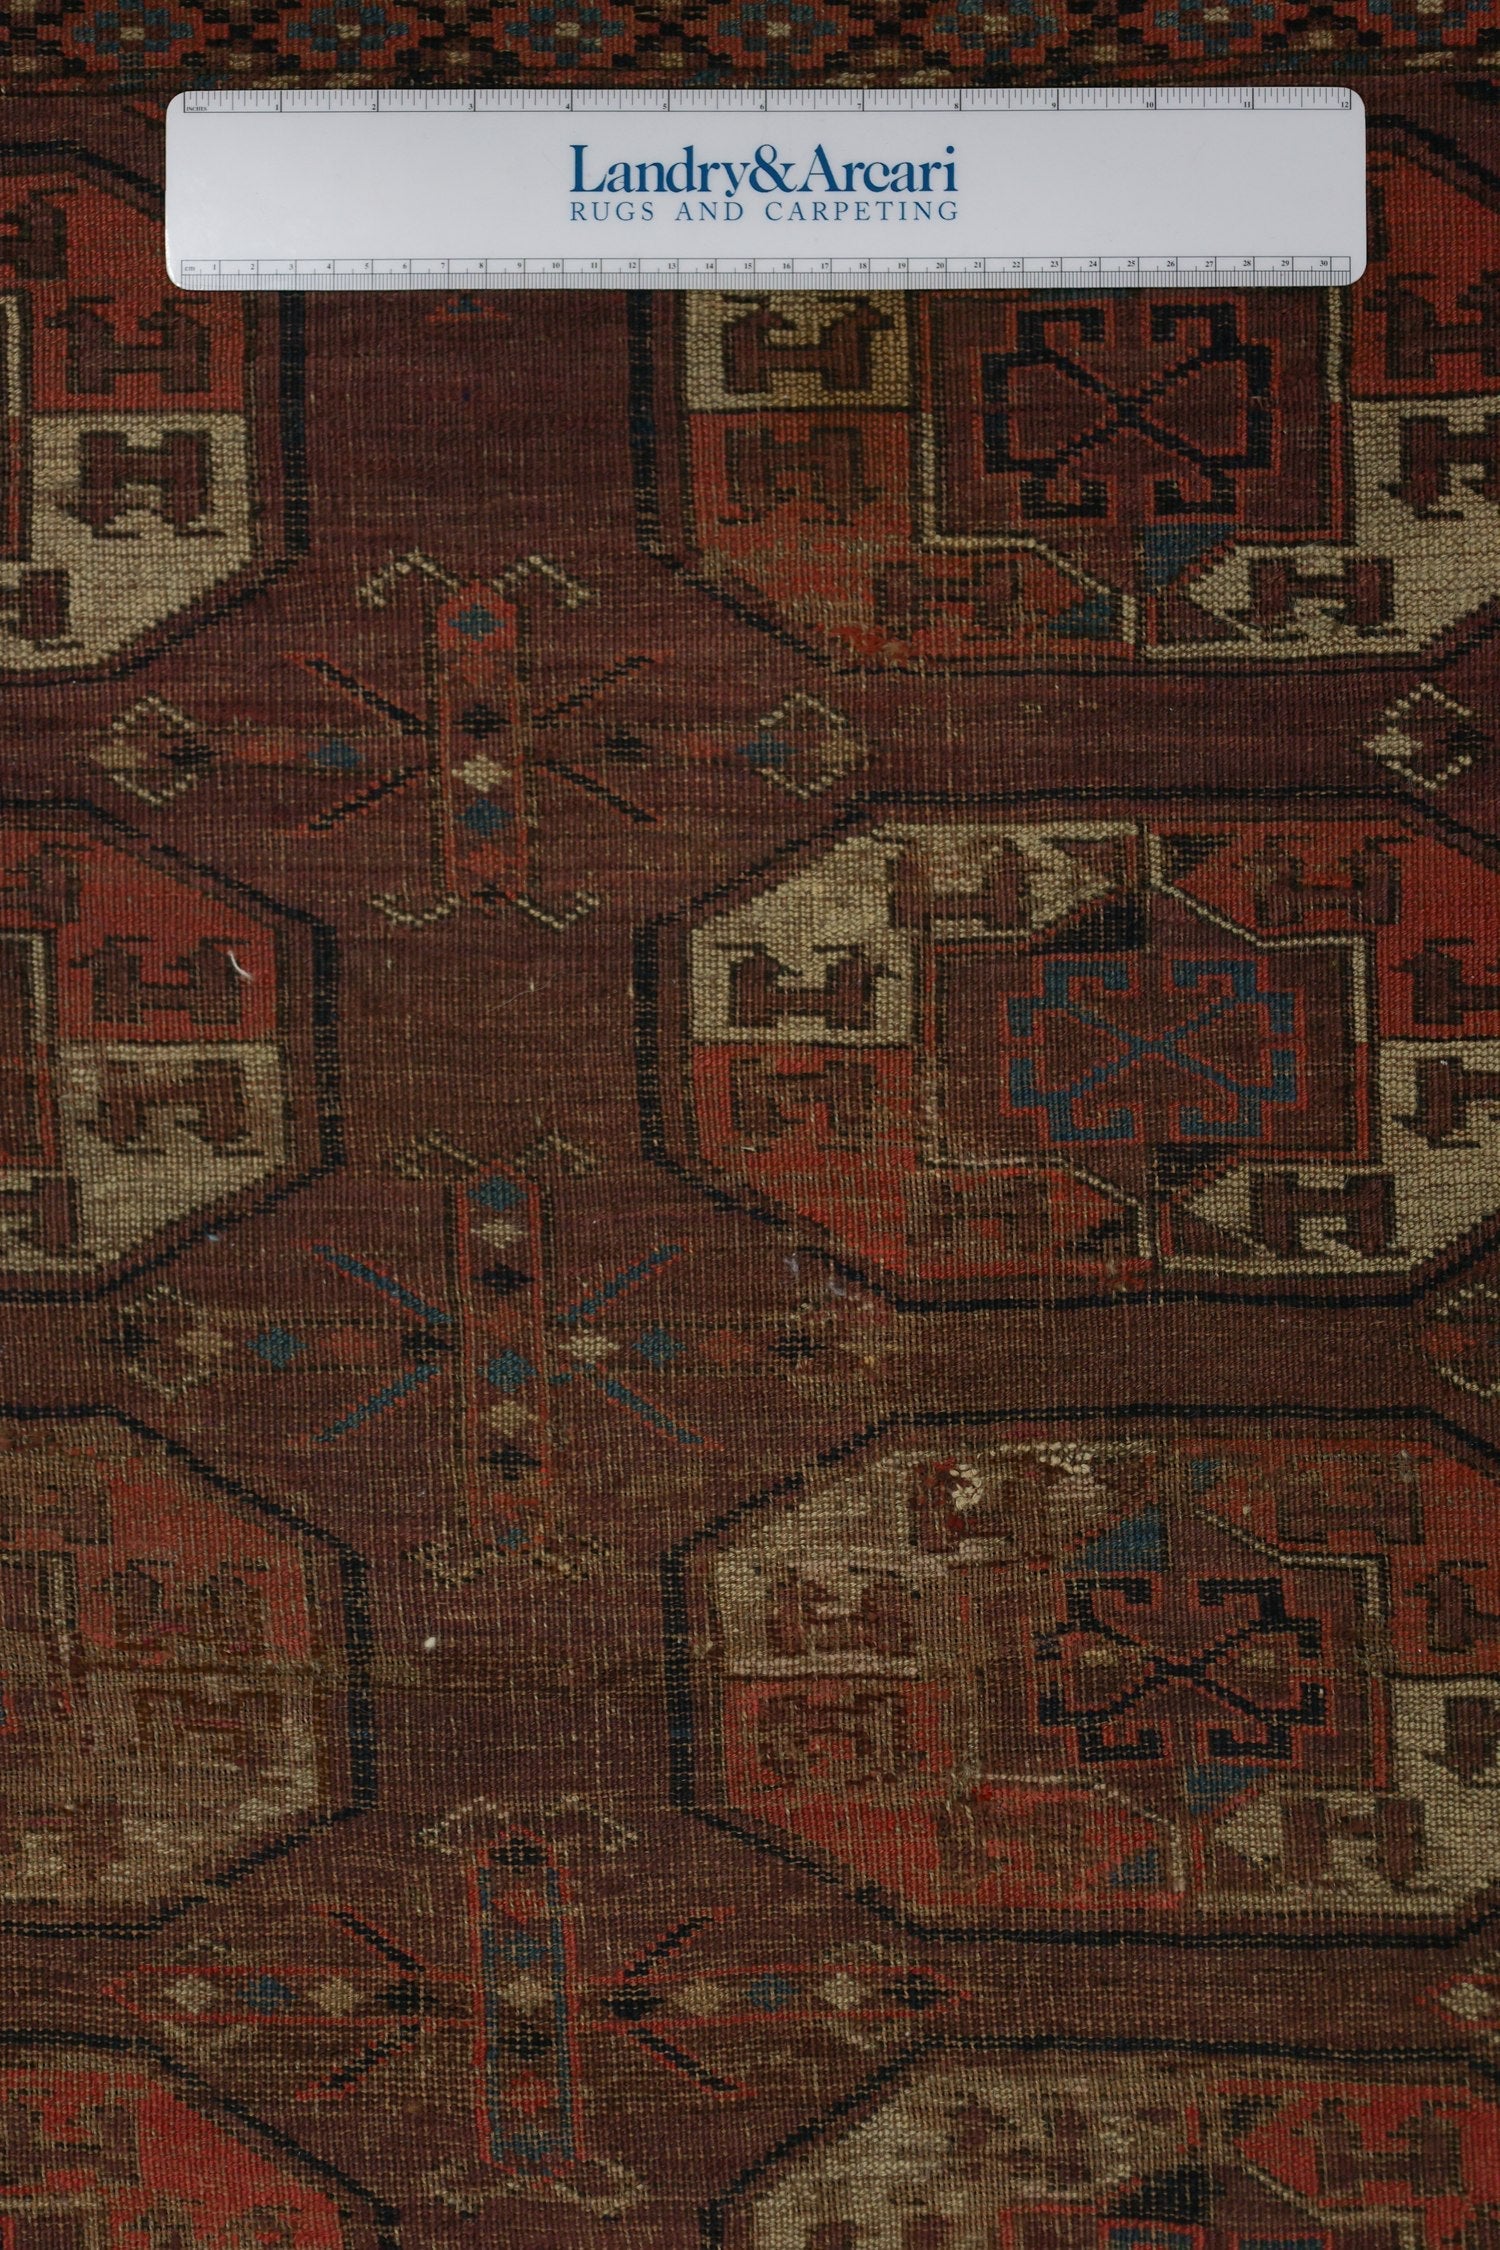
x: 1004, y: 187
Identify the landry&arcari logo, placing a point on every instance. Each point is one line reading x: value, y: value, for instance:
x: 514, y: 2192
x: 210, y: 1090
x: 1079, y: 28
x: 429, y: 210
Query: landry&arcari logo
x: 786, y: 186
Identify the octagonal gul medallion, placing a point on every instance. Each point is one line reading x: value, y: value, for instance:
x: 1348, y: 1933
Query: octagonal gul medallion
x: 159, y: 1067
x: 148, y: 460
x: 101, y: 2145
x: 1154, y: 2149
x: 182, y: 1670
x: 991, y: 1057
x: 1175, y: 1673
x: 1147, y: 478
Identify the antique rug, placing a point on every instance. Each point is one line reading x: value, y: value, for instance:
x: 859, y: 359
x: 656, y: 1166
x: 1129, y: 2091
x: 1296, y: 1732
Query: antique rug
x: 749, y: 1198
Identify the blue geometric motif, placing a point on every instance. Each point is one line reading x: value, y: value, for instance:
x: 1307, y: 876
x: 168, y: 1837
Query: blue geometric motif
x: 1278, y: 1010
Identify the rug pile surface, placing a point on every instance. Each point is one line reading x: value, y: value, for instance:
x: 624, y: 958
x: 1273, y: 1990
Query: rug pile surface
x: 749, y: 1198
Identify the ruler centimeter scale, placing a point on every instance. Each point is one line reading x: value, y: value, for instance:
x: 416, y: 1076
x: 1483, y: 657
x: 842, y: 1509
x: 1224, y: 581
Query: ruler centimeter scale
x: 901, y: 188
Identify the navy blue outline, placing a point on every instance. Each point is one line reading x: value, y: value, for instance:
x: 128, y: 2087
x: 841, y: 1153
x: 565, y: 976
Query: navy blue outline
x: 219, y: 2108
x: 1123, y: 801
x: 286, y: 410
x: 321, y: 1026
x: 713, y: 2216
x: 646, y: 443
x: 358, y: 1650
x: 681, y: 1715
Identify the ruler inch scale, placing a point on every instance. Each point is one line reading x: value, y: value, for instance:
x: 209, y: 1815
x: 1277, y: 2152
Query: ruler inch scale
x: 1062, y: 188
x: 685, y: 101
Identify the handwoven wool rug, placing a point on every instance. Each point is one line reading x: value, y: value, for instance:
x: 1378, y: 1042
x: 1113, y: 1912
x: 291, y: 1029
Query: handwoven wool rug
x: 749, y: 1453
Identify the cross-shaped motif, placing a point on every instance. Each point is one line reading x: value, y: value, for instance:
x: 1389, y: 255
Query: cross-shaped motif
x: 1118, y: 1672
x: 1204, y: 412
x: 1201, y: 1046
